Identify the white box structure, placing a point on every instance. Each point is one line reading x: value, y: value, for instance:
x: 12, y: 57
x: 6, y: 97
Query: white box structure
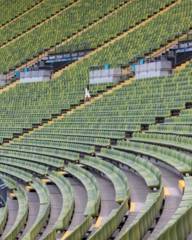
x: 101, y: 76
x: 162, y: 68
x: 35, y: 76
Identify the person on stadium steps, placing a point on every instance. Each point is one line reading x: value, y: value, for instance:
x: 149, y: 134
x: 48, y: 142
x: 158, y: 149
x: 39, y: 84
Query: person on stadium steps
x: 87, y: 94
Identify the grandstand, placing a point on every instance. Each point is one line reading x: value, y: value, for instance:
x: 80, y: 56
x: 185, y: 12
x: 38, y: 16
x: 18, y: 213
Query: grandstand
x: 117, y: 165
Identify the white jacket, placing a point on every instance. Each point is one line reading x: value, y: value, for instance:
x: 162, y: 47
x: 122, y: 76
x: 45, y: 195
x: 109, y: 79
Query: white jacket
x: 87, y: 94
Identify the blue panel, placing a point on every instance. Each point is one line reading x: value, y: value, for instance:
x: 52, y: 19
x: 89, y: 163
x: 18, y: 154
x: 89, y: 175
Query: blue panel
x: 106, y: 66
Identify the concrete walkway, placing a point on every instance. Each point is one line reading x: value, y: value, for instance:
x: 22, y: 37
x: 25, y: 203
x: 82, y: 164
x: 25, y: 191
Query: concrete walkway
x: 33, y: 201
x: 56, y: 205
x: 12, y: 214
x: 139, y: 191
x: 172, y: 199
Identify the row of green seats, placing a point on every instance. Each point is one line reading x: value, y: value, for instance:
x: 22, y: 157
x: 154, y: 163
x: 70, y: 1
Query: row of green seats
x: 68, y: 204
x: 22, y: 214
x: 22, y: 156
x: 113, y: 126
x: 116, y: 176
x: 29, y: 166
x: 17, y: 173
x: 112, y: 222
x: 171, y: 140
x: 179, y: 226
x: 147, y: 170
x: 180, y: 161
x: 49, y: 152
x: 91, y: 187
x: 81, y: 132
x: 60, y: 144
x: 123, y: 110
x: 183, y: 130
x: 44, y: 210
x: 144, y: 220
x: 70, y: 139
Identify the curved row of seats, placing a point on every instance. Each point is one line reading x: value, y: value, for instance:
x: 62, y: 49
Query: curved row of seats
x: 140, y: 165
x: 114, y: 154
x: 44, y: 210
x: 179, y: 225
x: 21, y: 215
x: 68, y: 203
x: 174, y: 141
x: 92, y: 190
x: 181, y: 161
x: 104, y: 167
x: 113, y: 173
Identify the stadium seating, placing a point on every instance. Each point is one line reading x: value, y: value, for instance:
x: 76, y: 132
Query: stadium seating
x: 114, y: 174
x: 144, y: 220
x: 21, y: 215
x: 29, y: 47
x: 178, y: 142
x: 121, y: 21
x: 111, y: 223
x: 148, y: 171
x: 52, y: 96
x: 117, y: 167
x: 44, y: 210
x: 80, y: 230
x: 12, y: 10
x: 90, y: 184
x: 68, y: 201
x: 179, y: 225
x: 39, y: 14
x: 180, y: 161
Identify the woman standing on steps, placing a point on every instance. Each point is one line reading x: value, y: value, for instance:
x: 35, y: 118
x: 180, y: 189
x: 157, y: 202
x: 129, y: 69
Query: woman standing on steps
x: 87, y: 94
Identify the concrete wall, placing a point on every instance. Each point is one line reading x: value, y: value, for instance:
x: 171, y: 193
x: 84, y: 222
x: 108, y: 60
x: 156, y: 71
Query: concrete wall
x: 35, y: 76
x: 105, y: 76
x: 153, y: 69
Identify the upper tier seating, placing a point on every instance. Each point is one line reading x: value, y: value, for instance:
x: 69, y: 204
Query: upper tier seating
x: 142, y: 104
x: 73, y: 18
x: 41, y: 100
x: 36, y: 16
x: 11, y: 10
